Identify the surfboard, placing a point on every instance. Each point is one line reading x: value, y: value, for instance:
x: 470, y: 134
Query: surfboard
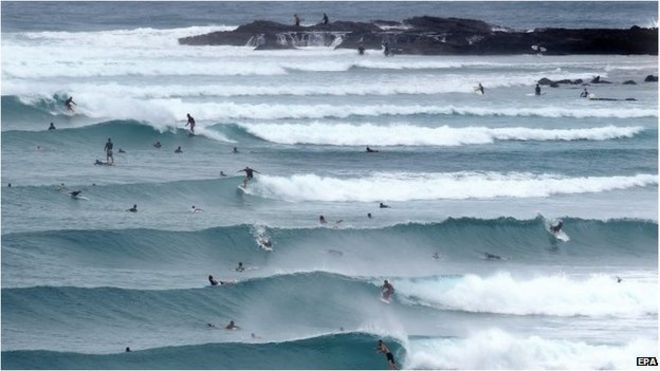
x: 81, y: 198
x: 386, y: 301
x: 561, y: 236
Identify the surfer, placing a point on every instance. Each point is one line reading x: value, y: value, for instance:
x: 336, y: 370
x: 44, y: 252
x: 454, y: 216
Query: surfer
x: 157, y: 144
x: 178, y: 150
x: 8, y: 185
x: 121, y: 151
x: 196, y: 209
x: 361, y: 50
x: 383, y: 206
x: 191, y: 122
x: 296, y: 20
x: 382, y: 348
x: 240, y: 267
x: 51, y: 127
x: 369, y: 150
x: 222, y: 173
x: 369, y: 215
x: 322, y: 219
x: 584, y: 94
x: 618, y: 279
x: 75, y: 194
x: 490, y: 256
x: 387, y: 290
x: 128, y: 349
x: 133, y: 209
x: 210, y: 325
x: 557, y: 227
x: 108, y: 152
x: 234, y: 150
x: 537, y: 89
x: 480, y: 89
x: 231, y: 326
x: 249, y: 174
x: 212, y: 281
x: 386, y: 49
x: 325, y: 18
x: 436, y: 255
x: 69, y: 103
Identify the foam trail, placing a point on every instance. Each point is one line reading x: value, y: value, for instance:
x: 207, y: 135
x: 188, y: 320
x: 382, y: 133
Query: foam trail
x: 598, y: 295
x: 496, y: 349
x: 408, y: 135
x: 415, y: 186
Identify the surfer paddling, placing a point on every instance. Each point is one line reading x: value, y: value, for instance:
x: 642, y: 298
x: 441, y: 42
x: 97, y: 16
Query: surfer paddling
x: 249, y: 174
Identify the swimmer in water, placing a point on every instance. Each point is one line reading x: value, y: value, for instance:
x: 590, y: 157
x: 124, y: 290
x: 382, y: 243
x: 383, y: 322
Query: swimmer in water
x: 51, y: 127
x: 322, y: 220
x: 369, y: 215
x: 133, y: 209
x: 383, y: 206
x: 240, y: 267
x: 369, y: 150
x: 178, y: 150
x: 75, y: 194
x: 196, y: 209
x: 157, y: 144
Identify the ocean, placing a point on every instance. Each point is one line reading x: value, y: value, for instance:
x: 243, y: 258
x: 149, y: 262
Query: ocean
x: 473, y: 182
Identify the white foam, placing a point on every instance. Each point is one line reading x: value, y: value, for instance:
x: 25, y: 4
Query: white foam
x: 597, y: 295
x: 496, y: 349
x: 408, y: 84
x: 432, y: 186
x: 409, y: 135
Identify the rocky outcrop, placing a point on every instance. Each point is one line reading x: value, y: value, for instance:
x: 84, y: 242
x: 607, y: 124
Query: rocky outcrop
x: 651, y: 78
x: 436, y: 36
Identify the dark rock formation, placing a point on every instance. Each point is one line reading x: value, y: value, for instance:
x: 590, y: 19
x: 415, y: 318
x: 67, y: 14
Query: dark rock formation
x: 555, y: 84
x: 651, y: 78
x: 436, y: 36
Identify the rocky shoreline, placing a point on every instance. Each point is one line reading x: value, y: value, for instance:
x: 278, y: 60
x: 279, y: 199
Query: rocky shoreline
x: 436, y: 36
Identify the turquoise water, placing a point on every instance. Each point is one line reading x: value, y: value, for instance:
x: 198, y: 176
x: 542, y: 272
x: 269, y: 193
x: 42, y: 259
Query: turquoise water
x: 467, y: 176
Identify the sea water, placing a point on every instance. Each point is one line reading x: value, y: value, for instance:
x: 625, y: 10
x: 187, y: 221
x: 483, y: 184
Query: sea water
x: 465, y: 175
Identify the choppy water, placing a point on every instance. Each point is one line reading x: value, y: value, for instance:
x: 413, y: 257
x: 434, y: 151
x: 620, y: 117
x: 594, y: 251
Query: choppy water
x: 464, y: 174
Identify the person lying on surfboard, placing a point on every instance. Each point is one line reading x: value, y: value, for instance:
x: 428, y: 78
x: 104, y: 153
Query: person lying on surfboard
x: 249, y: 174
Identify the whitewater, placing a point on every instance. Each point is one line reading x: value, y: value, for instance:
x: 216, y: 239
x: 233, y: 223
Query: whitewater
x: 470, y: 185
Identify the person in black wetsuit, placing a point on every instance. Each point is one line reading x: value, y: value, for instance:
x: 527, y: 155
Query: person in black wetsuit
x: 557, y: 227
x: 75, y: 194
x: 382, y: 348
x: 383, y: 206
x: 325, y: 18
x: 584, y: 94
x: 133, y: 209
x: 178, y: 150
x: 52, y: 126
x: 191, y: 122
x: 212, y: 281
x: 537, y: 89
x: 108, y: 152
x: 69, y: 103
x: 296, y: 20
x: 249, y: 174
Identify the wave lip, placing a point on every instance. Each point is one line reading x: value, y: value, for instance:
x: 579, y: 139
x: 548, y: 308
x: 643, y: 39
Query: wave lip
x: 432, y: 186
x: 409, y: 135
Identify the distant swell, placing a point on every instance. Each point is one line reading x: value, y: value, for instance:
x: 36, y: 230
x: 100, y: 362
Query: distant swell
x: 433, y: 186
x: 341, y: 351
x: 402, y: 134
